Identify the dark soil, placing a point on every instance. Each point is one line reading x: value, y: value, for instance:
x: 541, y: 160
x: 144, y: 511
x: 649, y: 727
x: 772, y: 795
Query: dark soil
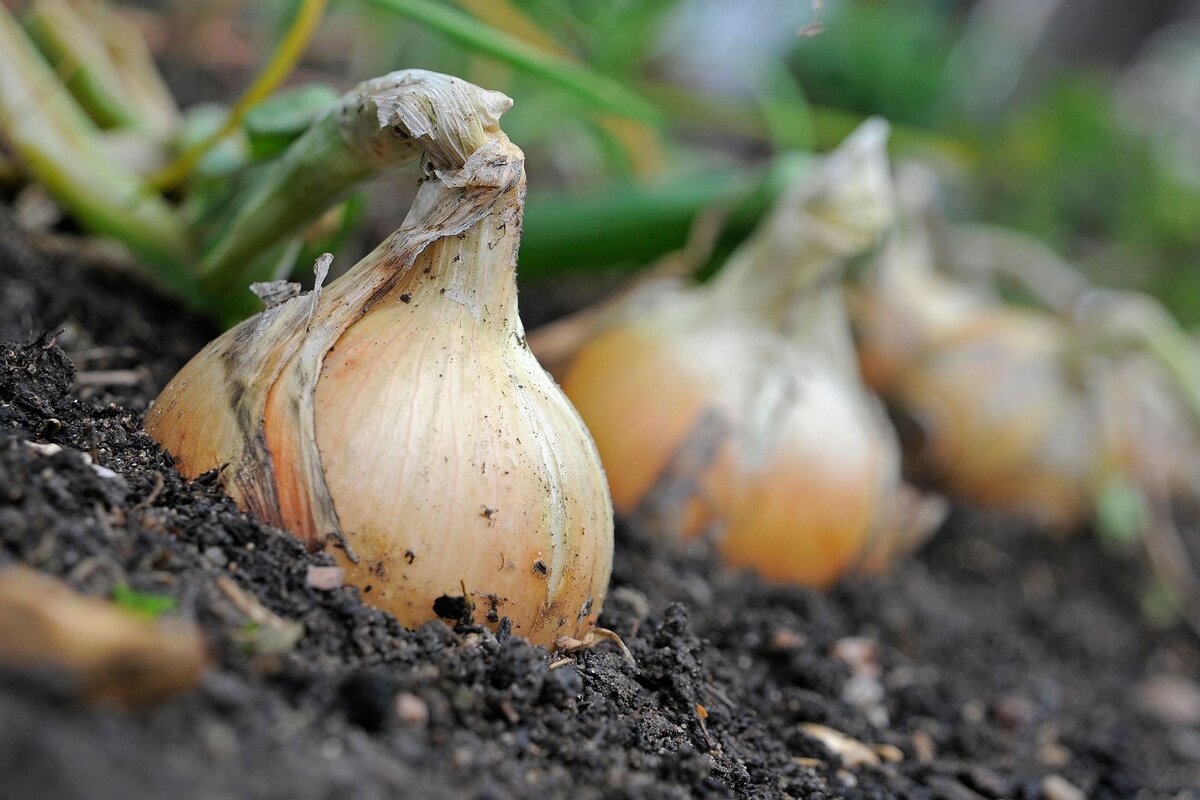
x: 994, y: 659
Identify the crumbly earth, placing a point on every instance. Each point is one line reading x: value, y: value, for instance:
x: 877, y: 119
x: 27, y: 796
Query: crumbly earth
x: 998, y: 663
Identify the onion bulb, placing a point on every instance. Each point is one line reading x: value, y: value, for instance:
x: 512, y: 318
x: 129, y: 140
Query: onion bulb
x: 398, y: 411
x: 735, y: 407
x: 1031, y: 410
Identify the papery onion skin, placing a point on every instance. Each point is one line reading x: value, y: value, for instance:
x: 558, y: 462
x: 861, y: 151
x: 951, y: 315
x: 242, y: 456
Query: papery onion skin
x: 795, y: 494
x: 399, y: 411
x: 521, y: 514
x: 1005, y: 425
x: 736, y: 408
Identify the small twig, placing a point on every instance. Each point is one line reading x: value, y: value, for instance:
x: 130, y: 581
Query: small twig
x: 111, y: 377
x: 246, y: 603
x: 278, y: 635
x: 569, y: 644
x: 155, y: 492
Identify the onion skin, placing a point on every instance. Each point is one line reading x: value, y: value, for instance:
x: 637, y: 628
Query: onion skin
x: 399, y: 409
x: 801, y: 508
x: 1005, y: 426
x: 735, y: 408
x: 522, y: 517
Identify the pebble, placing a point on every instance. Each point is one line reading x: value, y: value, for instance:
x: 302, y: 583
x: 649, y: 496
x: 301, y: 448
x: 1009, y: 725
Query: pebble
x: 859, y: 653
x: 1014, y: 711
x: 923, y: 746
x: 54, y: 449
x: 785, y: 639
x: 1056, y: 787
x: 325, y: 578
x: 216, y: 556
x: 889, y: 753
x: 411, y: 709
x: 1171, y: 699
x: 220, y: 741
x: 1053, y: 754
x: 988, y: 782
x: 861, y: 691
x: 944, y: 787
x: 1185, y: 743
x: 867, y: 695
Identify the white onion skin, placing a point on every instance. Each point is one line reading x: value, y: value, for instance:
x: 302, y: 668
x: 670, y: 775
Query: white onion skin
x: 453, y: 459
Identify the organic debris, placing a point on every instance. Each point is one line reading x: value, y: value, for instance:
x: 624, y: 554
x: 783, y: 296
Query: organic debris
x: 108, y: 653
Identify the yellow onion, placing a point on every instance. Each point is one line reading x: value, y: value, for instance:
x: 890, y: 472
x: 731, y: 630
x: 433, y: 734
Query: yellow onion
x: 735, y: 407
x: 1006, y: 422
x: 1023, y: 409
x: 399, y: 412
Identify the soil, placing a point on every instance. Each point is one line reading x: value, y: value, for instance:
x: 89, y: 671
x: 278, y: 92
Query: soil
x: 997, y: 663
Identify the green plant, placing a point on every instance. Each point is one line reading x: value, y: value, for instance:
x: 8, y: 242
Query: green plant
x: 238, y: 189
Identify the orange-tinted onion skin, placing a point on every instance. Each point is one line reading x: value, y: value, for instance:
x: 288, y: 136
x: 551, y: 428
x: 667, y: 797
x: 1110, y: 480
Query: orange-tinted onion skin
x: 1005, y: 424
x: 452, y: 459
x: 500, y: 492
x: 799, y: 506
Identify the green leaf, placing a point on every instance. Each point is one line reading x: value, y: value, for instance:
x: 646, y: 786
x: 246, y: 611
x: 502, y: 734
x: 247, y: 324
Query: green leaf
x: 1121, y: 511
x: 580, y: 80
x: 143, y: 604
x: 279, y: 120
x: 629, y: 224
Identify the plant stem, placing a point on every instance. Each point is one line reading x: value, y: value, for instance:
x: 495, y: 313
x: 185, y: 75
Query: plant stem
x: 59, y: 146
x: 282, y: 62
x: 111, y: 72
x: 344, y: 147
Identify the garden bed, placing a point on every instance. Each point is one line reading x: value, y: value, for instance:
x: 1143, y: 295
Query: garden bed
x: 996, y: 663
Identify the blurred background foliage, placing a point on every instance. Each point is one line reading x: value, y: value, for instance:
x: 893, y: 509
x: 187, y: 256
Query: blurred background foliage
x: 1078, y: 122
x: 1075, y: 120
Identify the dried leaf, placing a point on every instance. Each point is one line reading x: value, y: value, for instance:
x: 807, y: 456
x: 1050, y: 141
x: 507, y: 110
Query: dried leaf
x: 111, y: 654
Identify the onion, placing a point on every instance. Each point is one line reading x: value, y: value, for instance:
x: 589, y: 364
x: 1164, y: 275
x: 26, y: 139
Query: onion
x: 1033, y: 410
x: 399, y: 412
x: 736, y: 406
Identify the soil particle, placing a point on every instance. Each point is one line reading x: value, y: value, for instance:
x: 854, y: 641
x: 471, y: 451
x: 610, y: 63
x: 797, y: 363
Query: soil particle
x: 455, y: 608
x: 990, y: 680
